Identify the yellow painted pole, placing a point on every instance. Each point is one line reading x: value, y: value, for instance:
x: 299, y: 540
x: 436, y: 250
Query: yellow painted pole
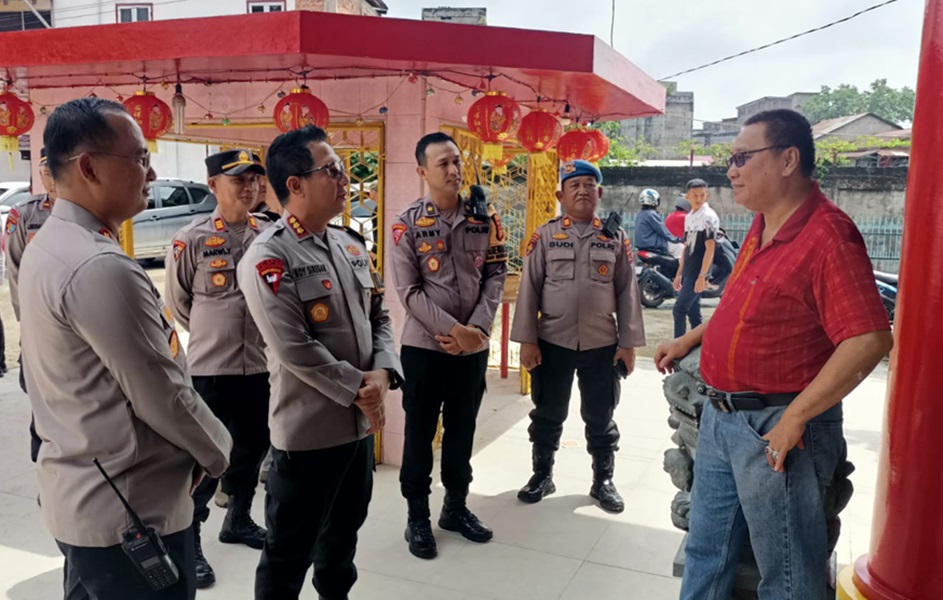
x: 126, y: 237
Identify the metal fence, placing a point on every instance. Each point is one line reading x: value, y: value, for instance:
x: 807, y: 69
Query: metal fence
x: 882, y: 235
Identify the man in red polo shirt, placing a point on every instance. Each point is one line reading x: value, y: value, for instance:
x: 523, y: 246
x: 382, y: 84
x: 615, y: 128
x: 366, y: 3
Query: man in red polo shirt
x: 799, y: 326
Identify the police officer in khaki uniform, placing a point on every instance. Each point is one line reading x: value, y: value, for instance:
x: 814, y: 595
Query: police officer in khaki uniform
x: 312, y: 290
x: 107, y: 378
x: 578, y: 310
x: 450, y: 263
x: 23, y: 221
x: 226, y: 355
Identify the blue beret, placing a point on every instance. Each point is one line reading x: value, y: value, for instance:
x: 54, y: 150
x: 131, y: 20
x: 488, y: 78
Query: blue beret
x: 576, y: 168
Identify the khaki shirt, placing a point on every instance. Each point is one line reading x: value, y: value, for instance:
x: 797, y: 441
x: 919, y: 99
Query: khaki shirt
x: 578, y: 290
x: 320, y: 309
x: 23, y: 222
x: 108, y: 380
x: 447, y: 275
x: 205, y: 298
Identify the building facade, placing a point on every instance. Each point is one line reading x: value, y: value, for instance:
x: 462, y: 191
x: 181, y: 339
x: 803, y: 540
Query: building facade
x: 664, y: 132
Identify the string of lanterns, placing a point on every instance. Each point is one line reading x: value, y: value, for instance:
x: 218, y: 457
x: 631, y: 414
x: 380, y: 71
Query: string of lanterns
x: 494, y: 117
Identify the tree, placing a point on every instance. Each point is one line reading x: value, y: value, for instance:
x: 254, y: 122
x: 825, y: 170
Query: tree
x: 893, y: 104
x: 622, y: 153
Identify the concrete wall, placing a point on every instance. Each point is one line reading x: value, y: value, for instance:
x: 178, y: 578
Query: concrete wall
x: 466, y: 16
x: 664, y: 132
x: 861, y: 192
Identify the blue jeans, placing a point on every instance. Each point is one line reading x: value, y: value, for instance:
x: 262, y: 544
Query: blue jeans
x: 736, y: 494
x: 687, y: 306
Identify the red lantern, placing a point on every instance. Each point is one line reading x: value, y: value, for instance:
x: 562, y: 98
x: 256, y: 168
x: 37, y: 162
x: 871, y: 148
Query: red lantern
x: 540, y: 131
x: 577, y: 144
x: 152, y: 114
x: 602, y: 145
x: 494, y: 118
x: 301, y: 108
x: 499, y: 166
x: 16, y: 118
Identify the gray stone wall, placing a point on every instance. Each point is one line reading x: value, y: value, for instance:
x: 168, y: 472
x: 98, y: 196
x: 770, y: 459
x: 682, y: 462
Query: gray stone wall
x: 664, y: 132
x: 861, y: 192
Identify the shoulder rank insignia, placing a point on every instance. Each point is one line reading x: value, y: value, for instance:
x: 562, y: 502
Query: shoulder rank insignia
x: 218, y: 224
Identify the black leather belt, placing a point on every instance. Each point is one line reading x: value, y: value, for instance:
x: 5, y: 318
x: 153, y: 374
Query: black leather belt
x: 733, y: 401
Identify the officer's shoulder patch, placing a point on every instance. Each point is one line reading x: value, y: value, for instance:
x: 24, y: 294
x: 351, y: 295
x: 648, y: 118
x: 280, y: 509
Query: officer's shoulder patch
x: 178, y: 249
x: 398, y: 230
x: 532, y: 244
x: 271, y: 271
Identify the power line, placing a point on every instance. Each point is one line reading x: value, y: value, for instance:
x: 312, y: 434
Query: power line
x: 612, y: 26
x: 777, y: 42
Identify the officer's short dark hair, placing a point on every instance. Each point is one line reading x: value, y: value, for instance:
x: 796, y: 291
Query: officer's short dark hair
x: 289, y: 155
x: 694, y: 184
x: 429, y: 139
x: 789, y: 129
x: 79, y: 123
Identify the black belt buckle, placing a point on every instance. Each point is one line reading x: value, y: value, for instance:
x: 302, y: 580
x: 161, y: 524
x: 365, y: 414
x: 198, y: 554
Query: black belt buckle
x: 731, y: 402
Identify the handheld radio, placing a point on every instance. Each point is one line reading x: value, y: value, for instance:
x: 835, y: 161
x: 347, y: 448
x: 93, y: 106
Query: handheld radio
x: 144, y: 547
x: 613, y: 222
x: 477, y: 203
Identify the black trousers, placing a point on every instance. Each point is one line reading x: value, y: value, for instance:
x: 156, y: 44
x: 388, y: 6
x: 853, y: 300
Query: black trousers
x: 454, y: 385
x: 551, y: 384
x: 315, y: 503
x: 107, y: 573
x: 241, y: 403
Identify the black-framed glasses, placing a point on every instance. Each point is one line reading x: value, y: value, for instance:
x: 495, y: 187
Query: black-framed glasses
x: 335, y: 170
x: 740, y: 158
x: 142, y: 159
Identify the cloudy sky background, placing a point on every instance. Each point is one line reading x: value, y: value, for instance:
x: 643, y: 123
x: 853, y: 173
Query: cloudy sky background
x: 667, y: 36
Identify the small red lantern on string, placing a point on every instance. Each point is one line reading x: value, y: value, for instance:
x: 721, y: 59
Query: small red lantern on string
x: 602, y: 145
x: 16, y: 118
x: 577, y: 144
x: 494, y: 118
x: 152, y: 114
x: 540, y: 131
x: 301, y: 108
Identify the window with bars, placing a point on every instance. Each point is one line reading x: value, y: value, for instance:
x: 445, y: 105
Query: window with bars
x: 134, y: 13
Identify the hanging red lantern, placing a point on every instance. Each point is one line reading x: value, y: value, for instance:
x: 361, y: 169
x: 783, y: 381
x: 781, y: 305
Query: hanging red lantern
x: 494, y: 118
x: 602, y: 145
x: 540, y: 131
x: 301, y: 108
x: 577, y: 144
x: 16, y: 118
x: 152, y: 114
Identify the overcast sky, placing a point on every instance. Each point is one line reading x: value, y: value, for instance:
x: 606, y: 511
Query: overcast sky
x: 667, y: 36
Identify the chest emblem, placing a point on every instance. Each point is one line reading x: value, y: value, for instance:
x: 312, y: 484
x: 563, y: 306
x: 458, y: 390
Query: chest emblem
x: 425, y: 222
x: 433, y: 264
x: 560, y: 236
x: 603, y: 270
x: 174, y: 345
x: 320, y: 312
x: 215, y: 241
x: 219, y: 279
x: 424, y: 247
x: 219, y: 263
x: 353, y: 250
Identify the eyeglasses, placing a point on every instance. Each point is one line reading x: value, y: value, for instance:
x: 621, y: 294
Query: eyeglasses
x: 334, y: 169
x: 142, y: 159
x: 740, y: 158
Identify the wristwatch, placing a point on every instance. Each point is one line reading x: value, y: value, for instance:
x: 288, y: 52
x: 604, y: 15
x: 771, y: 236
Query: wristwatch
x: 395, y: 380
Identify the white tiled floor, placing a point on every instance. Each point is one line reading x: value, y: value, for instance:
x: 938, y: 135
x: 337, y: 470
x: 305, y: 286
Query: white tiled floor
x: 564, y: 548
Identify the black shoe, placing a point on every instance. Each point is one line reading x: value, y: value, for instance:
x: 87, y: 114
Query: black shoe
x: 541, y: 482
x: 238, y: 526
x: 456, y: 517
x: 604, y: 490
x: 419, y: 529
x: 205, y: 576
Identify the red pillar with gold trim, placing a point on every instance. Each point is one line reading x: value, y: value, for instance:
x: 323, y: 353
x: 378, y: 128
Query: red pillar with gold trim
x: 906, y: 559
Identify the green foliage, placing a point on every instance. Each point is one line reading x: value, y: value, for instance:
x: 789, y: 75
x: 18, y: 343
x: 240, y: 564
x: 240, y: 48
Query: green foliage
x: 893, y: 104
x: 622, y: 152
x: 827, y: 150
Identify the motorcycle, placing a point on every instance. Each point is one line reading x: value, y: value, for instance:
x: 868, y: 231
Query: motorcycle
x: 887, y: 289
x: 656, y: 273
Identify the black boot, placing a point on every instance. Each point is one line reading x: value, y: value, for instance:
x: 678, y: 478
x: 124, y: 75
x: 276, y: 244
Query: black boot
x: 238, y: 526
x: 205, y: 576
x: 456, y: 517
x: 419, y: 529
x: 603, y: 489
x: 541, y: 482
